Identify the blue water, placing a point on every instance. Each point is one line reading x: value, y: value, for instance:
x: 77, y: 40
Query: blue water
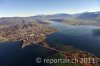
x: 84, y: 37
x: 12, y: 54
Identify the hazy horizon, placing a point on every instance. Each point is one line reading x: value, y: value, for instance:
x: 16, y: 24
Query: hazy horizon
x: 47, y: 14
x: 24, y: 8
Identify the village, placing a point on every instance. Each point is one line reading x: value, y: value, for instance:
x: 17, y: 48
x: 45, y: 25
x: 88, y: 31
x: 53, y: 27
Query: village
x: 27, y: 33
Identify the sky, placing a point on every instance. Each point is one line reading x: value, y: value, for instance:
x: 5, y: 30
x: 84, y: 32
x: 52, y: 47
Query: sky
x: 21, y: 8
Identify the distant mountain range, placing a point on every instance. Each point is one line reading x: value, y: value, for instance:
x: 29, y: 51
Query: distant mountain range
x: 84, y: 16
x: 57, y: 16
x: 87, y: 16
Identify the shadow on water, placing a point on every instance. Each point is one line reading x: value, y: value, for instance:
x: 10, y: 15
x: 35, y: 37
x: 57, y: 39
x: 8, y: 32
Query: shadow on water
x: 12, y: 54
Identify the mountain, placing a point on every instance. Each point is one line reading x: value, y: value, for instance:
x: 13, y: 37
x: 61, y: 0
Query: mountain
x: 53, y: 16
x: 92, y: 16
x: 88, y: 16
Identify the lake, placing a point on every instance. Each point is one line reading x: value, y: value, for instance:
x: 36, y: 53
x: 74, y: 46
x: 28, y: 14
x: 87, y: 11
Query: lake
x: 12, y: 54
x: 84, y: 37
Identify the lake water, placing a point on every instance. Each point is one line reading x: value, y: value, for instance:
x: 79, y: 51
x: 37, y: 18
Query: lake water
x: 12, y: 54
x: 84, y: 37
